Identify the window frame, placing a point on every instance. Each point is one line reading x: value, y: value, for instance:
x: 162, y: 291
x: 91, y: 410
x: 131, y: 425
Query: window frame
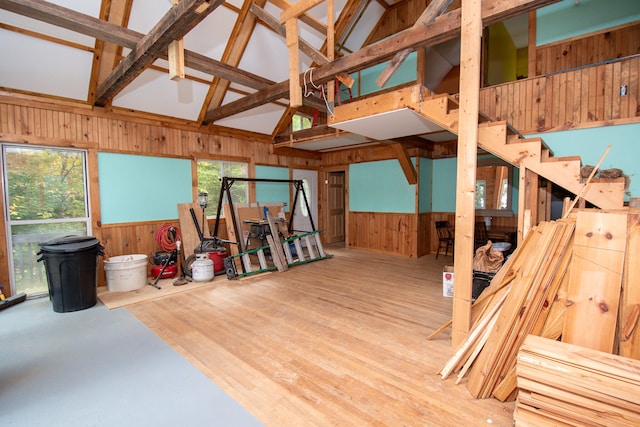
x: 222, y: 160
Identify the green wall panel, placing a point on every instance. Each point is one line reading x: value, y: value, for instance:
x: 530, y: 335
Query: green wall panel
x: 142, y: 188
x: 424, y: 179
x: 590, y: 143
x: 272, y: 192
x: 569, y: 18
x: 380, y: 187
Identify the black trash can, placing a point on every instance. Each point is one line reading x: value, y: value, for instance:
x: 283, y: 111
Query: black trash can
x: 71, y: 264
x: 481, y: 279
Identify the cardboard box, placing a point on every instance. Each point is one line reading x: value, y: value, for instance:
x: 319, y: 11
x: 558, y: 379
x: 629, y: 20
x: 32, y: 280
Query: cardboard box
x: 447, y: 281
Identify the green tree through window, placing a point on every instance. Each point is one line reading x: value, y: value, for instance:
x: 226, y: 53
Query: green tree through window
x: 210, y: 174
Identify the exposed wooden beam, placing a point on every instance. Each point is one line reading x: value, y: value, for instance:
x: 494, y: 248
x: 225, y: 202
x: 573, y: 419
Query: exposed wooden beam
x: 531, y: 50
x: 295, y: 90
x: 296, y: 152
x: 307, y: 19
x: 71, y: 20
x: 466, y: 170
x: 107, y: 53
x: 297, y: 9
x: 400, y: 152
x: 109, y: 32
x: 176, y: 56
x: 273, y: 23
x: 234, y: 50
x: 445, y: 28
x: 177, y: 22
x: 435, y: 9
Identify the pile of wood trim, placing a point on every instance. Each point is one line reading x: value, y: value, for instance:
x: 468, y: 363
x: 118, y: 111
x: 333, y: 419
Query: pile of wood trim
x: 516, y: 303
x: 566, y: 384
x: 575, y: 279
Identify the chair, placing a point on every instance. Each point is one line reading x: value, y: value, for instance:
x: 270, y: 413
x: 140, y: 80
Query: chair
x: 481, y: 236
x: 445, y: 237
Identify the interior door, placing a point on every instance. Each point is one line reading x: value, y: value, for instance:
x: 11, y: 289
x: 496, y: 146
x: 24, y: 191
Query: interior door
x: 301, y: 220
x: 336, y: 207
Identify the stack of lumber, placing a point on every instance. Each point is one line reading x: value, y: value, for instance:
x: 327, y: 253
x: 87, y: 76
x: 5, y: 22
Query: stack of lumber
x: 576, y: 280
x: 566, y: 384
x: 517, y: 303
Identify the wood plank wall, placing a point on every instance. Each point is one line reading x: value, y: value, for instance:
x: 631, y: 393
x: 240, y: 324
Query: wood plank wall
x: 26, y: 121
x: 594, y: 48
x: 391, y: 233
x: 566, y: 100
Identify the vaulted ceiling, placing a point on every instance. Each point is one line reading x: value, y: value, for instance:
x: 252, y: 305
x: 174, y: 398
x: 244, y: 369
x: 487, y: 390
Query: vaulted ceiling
x: 113, y: 54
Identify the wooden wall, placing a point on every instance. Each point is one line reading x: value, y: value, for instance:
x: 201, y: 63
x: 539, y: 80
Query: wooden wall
x: 392, y: 233
x: 577, y: 98
x: 594, y: 48
x: 59, y: 124
x: 398, y: 17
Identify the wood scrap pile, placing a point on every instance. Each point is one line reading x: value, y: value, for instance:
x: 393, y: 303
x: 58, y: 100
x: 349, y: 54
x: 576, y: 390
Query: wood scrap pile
x: 565, y: 384
x: 565, y: 281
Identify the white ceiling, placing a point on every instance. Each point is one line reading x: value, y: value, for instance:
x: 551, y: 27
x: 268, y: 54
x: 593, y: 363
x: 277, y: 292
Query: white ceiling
x: 44, y: 59
x: 61, y: 66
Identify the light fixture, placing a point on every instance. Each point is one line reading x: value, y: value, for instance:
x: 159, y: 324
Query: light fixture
x: 203, y: 200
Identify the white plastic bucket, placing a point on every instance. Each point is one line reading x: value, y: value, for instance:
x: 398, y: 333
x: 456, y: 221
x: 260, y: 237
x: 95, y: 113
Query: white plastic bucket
x: 126, y: 272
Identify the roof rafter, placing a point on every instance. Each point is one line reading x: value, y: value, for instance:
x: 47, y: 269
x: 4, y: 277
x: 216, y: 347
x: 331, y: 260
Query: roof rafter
x: 112, y: 33
x: 177, y: 22
x: 445, y: 28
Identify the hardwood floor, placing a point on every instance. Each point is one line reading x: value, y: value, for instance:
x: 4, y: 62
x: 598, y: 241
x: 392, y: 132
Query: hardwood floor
x: 335, y: 342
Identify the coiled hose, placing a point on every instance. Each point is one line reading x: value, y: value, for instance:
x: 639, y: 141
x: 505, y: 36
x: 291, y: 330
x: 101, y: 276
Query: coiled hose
x: 167, y: 236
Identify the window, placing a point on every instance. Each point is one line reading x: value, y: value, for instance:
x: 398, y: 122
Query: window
x: 46, y: 197
x: 481, y: 194
x: 210, y: 174
x: 299, y: 122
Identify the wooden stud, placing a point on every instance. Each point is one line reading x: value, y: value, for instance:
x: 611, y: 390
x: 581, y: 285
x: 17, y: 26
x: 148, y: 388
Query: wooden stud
x: 297, y: 9
x: 466, y: 175
x: 295, y: 90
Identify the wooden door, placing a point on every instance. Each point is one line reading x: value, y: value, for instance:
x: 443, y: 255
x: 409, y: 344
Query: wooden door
x: 336, y: 207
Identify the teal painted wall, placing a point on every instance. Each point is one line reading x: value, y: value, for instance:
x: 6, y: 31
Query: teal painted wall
x: 272, y: 192
x: 142, y: 188
x: 424, y: 185
x: 444, y: 185
x: 567, y: 19
x: 366, y: 81
x: 591, y: 143
x: 380, y: 187
x: 443, y: 197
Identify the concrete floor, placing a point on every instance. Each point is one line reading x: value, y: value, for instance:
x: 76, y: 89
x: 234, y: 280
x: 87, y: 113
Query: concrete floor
x: 97, y: 367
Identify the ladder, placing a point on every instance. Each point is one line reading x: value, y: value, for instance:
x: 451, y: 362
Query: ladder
x: 299, y: 249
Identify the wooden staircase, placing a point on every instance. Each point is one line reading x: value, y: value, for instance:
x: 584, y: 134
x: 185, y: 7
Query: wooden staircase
x: 499, y: 139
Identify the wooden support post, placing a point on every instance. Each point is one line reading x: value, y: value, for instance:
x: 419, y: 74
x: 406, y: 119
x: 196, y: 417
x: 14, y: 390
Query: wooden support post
x: 295, y: 90
x: 330, y: 51
x: 527, y: 201
x: 175, y: 55
x: 531, y: 68
x: 466, y: 175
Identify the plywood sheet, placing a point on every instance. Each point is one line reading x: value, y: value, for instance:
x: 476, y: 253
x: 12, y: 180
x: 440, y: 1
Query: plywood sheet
x: 629, y: 335
x: 190, y: 238
x: 595, y: 279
